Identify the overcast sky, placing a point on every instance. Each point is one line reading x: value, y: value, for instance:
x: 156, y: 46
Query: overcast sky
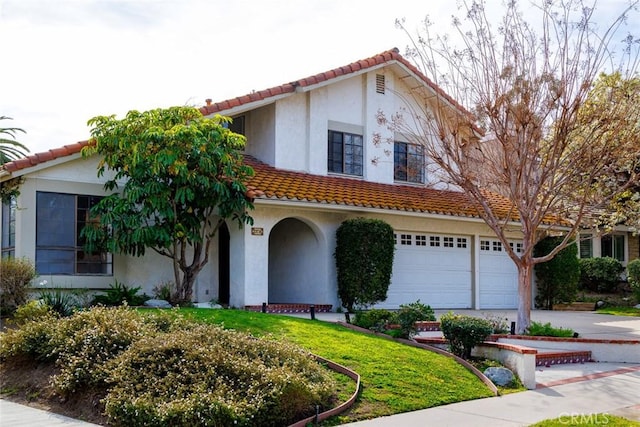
x: 65, y: 61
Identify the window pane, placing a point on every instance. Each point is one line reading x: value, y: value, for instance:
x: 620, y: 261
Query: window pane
x: 618, y: 247
x: 55, y: 261
x: 606, y: 246
x: 55, y: 219
x: 586, y: 248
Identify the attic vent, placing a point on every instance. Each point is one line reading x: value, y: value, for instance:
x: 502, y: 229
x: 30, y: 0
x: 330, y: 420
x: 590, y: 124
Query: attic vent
x: 380, y: 83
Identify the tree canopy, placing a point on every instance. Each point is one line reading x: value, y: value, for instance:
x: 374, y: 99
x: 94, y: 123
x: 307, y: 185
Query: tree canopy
x: 176, y: 177
x: 526, y: 82
x: 10, y: 149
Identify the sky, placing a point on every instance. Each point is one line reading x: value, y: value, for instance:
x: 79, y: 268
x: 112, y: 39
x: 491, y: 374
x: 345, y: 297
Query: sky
x: 66, y: 61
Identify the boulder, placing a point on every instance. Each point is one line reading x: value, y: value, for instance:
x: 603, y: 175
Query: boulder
x: 499, y: 376
x: 157, y: 303
x: 637, y: 306
x: 206, y: 305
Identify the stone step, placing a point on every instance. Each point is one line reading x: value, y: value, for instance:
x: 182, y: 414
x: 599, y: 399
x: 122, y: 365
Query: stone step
x: 549, y: 357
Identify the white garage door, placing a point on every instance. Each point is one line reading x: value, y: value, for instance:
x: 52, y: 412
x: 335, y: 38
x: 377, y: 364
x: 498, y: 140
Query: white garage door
x: 436, y: 269
x: 498, y: 275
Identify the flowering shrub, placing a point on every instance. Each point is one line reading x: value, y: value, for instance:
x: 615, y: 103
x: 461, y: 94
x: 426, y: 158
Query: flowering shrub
x: 161, y: 369
x: 84, y: 342
x: 211, y: 376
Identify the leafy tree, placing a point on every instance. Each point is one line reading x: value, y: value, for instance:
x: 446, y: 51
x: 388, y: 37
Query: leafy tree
x: 614, y: 98
x: 557, y: 279
x: 364, y: 261
x: 178, y: 176
x: 10, y: 149
x: 524, y: 87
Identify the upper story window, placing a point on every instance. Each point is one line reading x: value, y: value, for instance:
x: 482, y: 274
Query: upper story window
x: 408, y: 162
x: 612, y: 245
x: 345, y: 153
x: 237, y: 125
x: 9, y: 228
x: 60, y: 219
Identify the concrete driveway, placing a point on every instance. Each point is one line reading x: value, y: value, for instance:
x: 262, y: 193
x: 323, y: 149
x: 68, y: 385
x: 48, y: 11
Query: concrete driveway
x: 588, y: 324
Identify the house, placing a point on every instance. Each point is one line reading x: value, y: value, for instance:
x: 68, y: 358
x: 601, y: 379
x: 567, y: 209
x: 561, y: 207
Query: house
x: 311, y: 145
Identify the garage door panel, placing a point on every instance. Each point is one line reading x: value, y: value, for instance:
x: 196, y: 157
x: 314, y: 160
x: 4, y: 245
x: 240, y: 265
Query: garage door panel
x: 425, y: 269
x: 498, y: 275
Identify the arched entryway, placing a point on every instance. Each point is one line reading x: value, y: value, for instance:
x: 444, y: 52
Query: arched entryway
x: 295, y: 265
x: 223, y: 265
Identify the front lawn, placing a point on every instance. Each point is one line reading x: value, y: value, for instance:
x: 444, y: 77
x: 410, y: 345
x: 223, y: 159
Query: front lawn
x: 396, y: 378
x: 620, y: 311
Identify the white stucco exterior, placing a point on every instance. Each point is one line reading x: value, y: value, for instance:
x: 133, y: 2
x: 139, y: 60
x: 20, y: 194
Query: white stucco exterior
x: 286, y: 255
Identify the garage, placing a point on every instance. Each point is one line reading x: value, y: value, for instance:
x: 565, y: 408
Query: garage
x: 436, y: 269
x: 498, y: 275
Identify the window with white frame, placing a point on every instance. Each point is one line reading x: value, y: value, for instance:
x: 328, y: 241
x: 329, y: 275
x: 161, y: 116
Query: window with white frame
x: 586, y: 246
x: 60, y: 219
x: 345, y: 153
x: 613, y: 245
x: 408, y: 162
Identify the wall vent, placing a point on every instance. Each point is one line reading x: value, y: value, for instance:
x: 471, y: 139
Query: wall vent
x: 380, y: 83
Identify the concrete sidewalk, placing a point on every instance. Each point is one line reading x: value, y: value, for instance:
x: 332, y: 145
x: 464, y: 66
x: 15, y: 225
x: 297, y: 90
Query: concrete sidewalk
x: 615, y: 392
x: 16, y: 415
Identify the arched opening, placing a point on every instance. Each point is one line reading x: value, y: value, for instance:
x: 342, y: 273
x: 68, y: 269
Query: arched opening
x: 223, y: 265
x: 295, y: 261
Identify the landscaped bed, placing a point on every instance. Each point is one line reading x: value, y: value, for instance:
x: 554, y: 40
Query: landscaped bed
x: 395, y: 378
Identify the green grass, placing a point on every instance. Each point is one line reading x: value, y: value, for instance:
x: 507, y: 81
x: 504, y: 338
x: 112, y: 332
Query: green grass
x: 587, y: 420
x: 396, y: 378
x: 546, y: 330
x: 620, y: 311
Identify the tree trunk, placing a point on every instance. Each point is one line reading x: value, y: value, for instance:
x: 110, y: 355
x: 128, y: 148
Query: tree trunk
x: 524, y: 297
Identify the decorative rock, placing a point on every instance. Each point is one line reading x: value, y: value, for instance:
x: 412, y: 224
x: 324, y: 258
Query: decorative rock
x: 637, y: 306
x: 157, y: 303
x: 499, y: 376
x: 206, y: 305
x: 600, y: 304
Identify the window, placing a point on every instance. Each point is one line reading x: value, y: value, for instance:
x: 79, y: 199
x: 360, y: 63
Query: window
x: 586, y: 248
x: 612, y: 245
x: 447, y: 242
x: 9, y: 228
x: 462, y: 242
x: 345, y: 153
x: 408, y: 162
x: 485, y: 245
x: 497, y: 246
x: 237, y: 125
x: 405, y: 239
x: 59, y: 246
x: 421, y: 240
x: 434, y: 241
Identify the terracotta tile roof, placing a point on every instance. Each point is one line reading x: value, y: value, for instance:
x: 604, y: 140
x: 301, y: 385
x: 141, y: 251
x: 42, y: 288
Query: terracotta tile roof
x: 363, y: 64
x: 45, y: 156
x: 277, y: 184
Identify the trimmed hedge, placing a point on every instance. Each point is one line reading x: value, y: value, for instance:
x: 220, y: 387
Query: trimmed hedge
x: 557, y: 279
x: 464, y: 332
x: 600, y: 274
x: 364, y: 261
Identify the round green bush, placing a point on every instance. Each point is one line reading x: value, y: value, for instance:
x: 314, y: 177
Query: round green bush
x: 464, y: 332
x: 633, y: 275
x: 17, y: 274
x: 600, y: 274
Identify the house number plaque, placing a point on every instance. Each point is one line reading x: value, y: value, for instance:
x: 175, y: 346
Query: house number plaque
x: 257, y: 231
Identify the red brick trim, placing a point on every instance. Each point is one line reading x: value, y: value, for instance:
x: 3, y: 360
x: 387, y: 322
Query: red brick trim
x: 572, y: 340
x: 589, y: 377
